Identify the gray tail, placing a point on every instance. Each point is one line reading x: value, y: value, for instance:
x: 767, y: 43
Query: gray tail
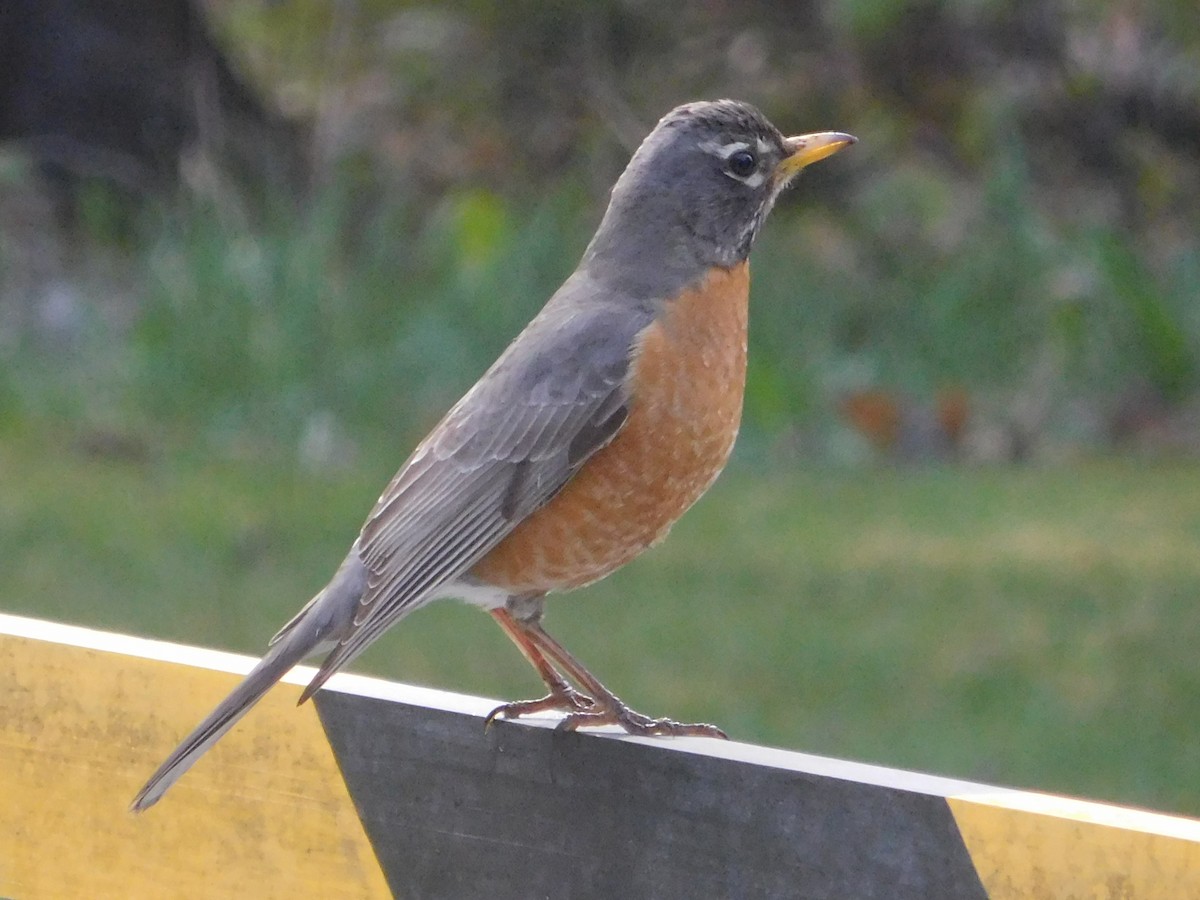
x: 278, y: 661
x: 315, y: 628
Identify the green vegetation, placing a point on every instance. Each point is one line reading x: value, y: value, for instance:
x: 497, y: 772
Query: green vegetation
x: 376, y: 322
x: 1034, y: 627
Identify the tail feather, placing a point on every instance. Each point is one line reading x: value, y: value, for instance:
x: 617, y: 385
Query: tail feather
x: 317, y: 627
x: 277, y: 663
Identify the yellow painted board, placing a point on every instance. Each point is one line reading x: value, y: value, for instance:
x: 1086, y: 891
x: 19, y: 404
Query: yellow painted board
x: 264, y: 814
x: 1029, y: 846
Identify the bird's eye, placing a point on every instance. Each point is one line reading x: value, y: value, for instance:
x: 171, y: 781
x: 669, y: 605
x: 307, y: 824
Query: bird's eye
x: 742, y: 163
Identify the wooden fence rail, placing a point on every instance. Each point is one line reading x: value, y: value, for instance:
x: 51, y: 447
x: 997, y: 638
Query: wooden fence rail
x: 379, y: 789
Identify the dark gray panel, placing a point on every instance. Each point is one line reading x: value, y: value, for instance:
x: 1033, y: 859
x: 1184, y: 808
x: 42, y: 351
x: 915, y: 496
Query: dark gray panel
x: 525, y: 812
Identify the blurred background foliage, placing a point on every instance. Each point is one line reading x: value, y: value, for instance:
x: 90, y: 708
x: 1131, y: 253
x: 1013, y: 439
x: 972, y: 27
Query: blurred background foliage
x: 254, y: 249
x: 1017, y: 226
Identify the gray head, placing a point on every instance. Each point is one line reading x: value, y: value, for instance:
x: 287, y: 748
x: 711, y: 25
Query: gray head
x: 696, y: 192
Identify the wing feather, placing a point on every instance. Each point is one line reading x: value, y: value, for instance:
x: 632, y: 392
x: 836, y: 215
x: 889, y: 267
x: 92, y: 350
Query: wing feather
x: 556, y: 396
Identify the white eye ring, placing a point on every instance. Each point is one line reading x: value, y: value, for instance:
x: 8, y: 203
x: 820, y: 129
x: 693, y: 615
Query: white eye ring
x: 724, y: 151
x: 753, y: 178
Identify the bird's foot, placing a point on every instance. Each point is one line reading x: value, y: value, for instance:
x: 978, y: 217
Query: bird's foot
x: 567, y: 700
x: 612, y: 711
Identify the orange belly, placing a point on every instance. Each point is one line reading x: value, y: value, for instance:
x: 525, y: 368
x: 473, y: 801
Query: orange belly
x: 687, y: 380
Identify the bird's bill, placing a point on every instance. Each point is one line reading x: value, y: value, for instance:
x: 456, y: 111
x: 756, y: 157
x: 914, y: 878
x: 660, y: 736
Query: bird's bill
x: 806, y: 149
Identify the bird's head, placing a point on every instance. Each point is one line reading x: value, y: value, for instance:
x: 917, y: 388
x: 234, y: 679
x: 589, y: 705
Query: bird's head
x: 699, y: 187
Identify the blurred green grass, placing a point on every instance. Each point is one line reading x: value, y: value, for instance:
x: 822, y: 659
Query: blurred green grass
x: 1034, y: 627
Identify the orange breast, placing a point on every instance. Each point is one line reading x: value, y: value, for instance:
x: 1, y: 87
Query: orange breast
x: 688, y: 378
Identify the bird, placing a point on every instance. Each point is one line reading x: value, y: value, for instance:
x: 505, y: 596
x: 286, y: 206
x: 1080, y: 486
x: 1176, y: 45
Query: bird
x: 602, y: 422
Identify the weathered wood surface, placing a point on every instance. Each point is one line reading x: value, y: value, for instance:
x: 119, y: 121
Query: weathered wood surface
x: 381, y: 788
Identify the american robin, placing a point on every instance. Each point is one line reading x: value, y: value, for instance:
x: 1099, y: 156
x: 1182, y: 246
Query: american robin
x: 607, y: 417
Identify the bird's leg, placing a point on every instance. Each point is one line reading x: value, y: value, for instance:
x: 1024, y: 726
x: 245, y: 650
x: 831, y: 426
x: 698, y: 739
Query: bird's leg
x: 562, y: 695
x: 606, y: 708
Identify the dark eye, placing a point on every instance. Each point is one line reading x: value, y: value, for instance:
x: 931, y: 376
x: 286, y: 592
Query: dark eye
x: 742, y: 163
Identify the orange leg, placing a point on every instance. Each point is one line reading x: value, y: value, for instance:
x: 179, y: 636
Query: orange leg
x: 605, y: 707
x: 562, y: 695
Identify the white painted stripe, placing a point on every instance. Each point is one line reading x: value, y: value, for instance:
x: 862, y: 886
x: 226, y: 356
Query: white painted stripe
x: 221, y: 661
x: 1024, y: 801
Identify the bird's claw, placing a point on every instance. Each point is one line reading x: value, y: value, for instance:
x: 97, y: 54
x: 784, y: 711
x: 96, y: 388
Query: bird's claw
x: 569, y: 701
x: 635, y: 723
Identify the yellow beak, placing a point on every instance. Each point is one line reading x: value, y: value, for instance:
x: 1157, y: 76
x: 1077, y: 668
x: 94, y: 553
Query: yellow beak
x: 806, y: 149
